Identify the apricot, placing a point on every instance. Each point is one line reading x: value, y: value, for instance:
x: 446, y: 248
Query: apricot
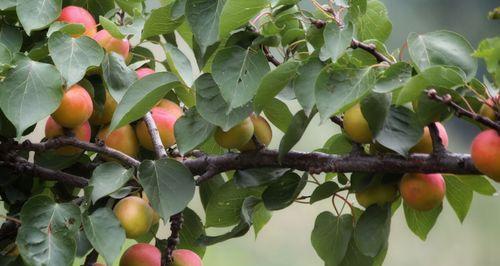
x: 144, y: 71
x: 485, y: 153
x: 81, y: 132
x: 78, y: 15
x: 237, y: 136
x: 262, y: 131
x: 122, y: 139
x: 75, y: 109
x: 141, y: 254
x: 185, y: 257
x: 171, y: 107
x: 425, y: 143
x: 164, y: 122
x: 106, y: 114
x: 135, y: 216
x: 112, y: 44
x: 377, y: 194
x: 422, y: 192
x: 355, y: 125
x: 486, y: 109
x: 156, y: 216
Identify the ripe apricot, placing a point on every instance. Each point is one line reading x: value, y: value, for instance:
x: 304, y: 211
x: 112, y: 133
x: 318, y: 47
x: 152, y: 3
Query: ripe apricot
x: 141, y: 254
x: 237, y: 136
x: 135, y: 216
x: 78, y: 15
x: 164, y: 121
x: 106, y: 114
x: 425, y: 143
x: 122, y: 139
x: 422, y: 192
x: 76, y: 107
x: 485, y: 153
x: 81, y: 132
x: 112, y: 44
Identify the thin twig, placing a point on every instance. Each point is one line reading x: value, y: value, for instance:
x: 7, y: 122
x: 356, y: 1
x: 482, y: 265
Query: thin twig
x: 372, y: 49
x: 270, y: 57
x: 438, y: 148
x: 10, y: 218
x: 155, y: 136
x: 337, y: 120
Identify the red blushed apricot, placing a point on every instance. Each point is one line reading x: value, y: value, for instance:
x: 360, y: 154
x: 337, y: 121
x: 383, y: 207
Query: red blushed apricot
x: 185, y: 257
x: 422, y: 192
x: 262, y: 131
x: 111, y: 44
x: 78, y: 15
x: 104, y: 117
x: 485, y: 153
x: 122, y: 139
x: 170, y: 107
x: 425, y: 143
x: 135, y: 216
x: 165, y: 122
x: 236, y: 137
x: 53, y: 129
x: 141, y: 255
x: 144, y: 71
x: 76, y: 107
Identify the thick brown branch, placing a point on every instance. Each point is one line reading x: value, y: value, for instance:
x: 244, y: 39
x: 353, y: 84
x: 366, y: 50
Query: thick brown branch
x: 438, y: 147
x: 155, y: 136
x: 173, y: 240
x: 372, y: 49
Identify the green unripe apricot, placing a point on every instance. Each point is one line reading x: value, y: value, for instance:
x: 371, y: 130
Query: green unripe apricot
x: 262, y: 131
x: 135, y: 216
x: 377, y: 194
x: 356, y: 126
x: 235, y: 137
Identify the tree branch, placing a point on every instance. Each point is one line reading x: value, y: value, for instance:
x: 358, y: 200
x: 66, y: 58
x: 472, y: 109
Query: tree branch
x: 155, y: 136
x: 438, y: 149
x: 372, y: 49
x: 270, y: 57
x: 173, y: 240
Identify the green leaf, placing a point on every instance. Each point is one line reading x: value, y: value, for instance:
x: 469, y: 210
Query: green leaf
x: 273, y: 82
x: 141, y: 96
x: 372, y: 230
x: 375, y: 107
x: 5, y: 58
x: 160, y: 21
x: 203, y: 17
x: 192, y: 229
x: 375, y: 23
x: 236, y: 13
x: 459, y: 196
x: 338, y: 144
x: 354, y: 257
x: 32, y: 86
x: 260, y: 217
x: 73, y: 56
x: 191, y: 130
x: 224, y: 206
x: 337, y: 40
x: 437, y: 76
x: 257, y: 176
x: 179, y: 64
x: 478, y: 183
x: 303, y: 84
x: 489, y: 51
x: 129, y: 6
x: 117, y: 76
x: 330, y: 236
x: 104, y: 232
x: 7, y: 4
x: 111, y: 27
x: 294, y: 132
x: 238, y: 73
x: 419, y: 222
x: 278, y: 113
x: 401, y: 130
x: 442, y: 48
x: 283, y: 192
x: 37, y: 14
x: 213, y: 108
x: 393, y: 77
x: 70, y: 29
x: 208, y: 188
x: 338, y: 88
x: 323, y: 191
x: 168, y: 184
x: 108, y: 178
x: 11, y: 37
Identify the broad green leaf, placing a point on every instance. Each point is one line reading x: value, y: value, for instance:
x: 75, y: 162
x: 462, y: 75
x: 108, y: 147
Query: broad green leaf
x: 130, y: 6
x: 442, y: 48
x: 478, y: 183
x: 141, y: 96
x: 303, y: 84
x: 458, y: 195
x: 191, y: 130
x: 356, y: 8
x: 73, y: 56
x: 179, y: 64
x: 283, y: 192
x: 278, y: 113
x: 375, y: 23
x: 104, y: 232
x: 203, y: 17
x: 437, y: 76
x: 337, y: 40
x: 11, y: 37
x: 419, y: 222
x: 70, y: 29
x: 30, y: 92
x: 338, y: 144
x: 273, y: 82
x: 330, y: 236
x: 160, y: 21
x: 354, y: 257
x: 236, y: 13
x: 224, y: 206
x: 323, y: 191
x: 111, y: 27
x: 208, y: 188
x: 257, y: 176
x: 5, y: 4
x: 192, y: 229
x: 372, y: 230
x: 238, y: 72
x: 168, y: 184
x: 375, y: 108
x: 117, y: 76
x: 260, y: 217
x: 51, y: 159
x: 99, y: 7
x: 37, y: 14
x: 5, y: 58
x: 401, y: 130
x: 212, y: 107
x: 83, y: 245
x: 134, y: 28
x: 338, y: 88
x: 393, y: 77
x: 294, y: 132
x: 489, y: 50
x: 108, y: 178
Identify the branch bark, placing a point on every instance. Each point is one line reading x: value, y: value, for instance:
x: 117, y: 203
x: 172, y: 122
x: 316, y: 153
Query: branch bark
x: 372, y: 49
x: 438, y: 148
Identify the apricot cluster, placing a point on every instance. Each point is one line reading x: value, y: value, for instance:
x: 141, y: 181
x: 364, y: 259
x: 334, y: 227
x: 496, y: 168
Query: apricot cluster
x: 240, y: 136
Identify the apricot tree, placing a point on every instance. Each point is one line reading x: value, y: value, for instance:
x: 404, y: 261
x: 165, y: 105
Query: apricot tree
x: 130, y: 134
